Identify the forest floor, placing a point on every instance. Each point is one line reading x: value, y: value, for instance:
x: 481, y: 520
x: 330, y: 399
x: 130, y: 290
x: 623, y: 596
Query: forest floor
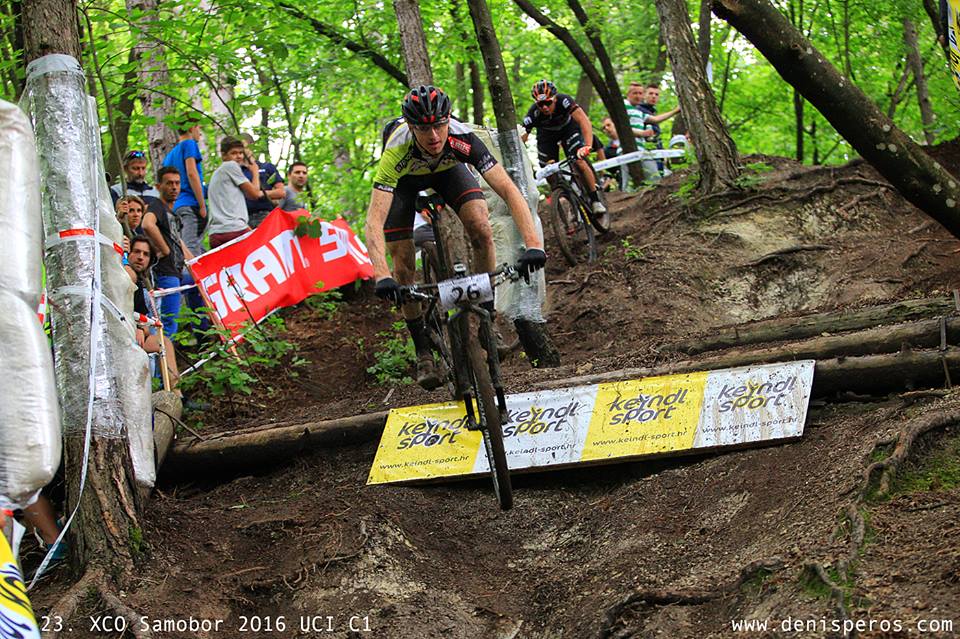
x: 681, y: 547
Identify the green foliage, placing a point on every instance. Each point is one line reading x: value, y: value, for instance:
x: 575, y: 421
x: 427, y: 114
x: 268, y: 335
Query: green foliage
x: 326, y: 304
x: 687, y: 187
x: 630, y: 251
x: 394, y: 357
x: 226, y: 374
x: 752, y: 175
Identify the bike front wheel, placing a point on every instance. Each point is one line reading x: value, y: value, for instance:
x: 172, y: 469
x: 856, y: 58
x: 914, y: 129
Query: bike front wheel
x: 567, y: 228
x: 489, y: 418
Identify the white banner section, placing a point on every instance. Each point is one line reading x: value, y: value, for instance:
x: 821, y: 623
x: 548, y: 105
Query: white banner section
x: 631, y: 419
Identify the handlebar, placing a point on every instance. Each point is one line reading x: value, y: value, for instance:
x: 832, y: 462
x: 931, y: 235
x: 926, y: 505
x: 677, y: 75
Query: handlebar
x: 428, y: 292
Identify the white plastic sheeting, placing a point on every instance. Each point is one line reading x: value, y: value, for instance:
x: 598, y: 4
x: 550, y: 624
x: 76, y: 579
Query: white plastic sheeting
x: 29, y: 415
x: 515, y: 300
x: 91, y: 296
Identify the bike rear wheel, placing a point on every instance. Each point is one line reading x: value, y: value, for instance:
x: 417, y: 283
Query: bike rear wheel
x: 490, y: 427
x: 600, y: 222
x: 565, y: 220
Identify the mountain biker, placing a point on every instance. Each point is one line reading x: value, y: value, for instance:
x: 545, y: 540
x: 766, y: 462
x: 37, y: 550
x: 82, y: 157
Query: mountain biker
x: 558, y: 120
x: 429, y: 149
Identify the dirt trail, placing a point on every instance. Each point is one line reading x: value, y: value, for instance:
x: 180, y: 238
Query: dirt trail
x: 675, y: 548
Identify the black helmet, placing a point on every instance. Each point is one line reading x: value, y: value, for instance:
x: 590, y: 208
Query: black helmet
x: 426, y: 105
x: 543, y: 90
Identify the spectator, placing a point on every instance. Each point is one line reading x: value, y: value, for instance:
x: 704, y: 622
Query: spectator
x: 229, y: 191
x: 160, y: 226
x: 142, y: 256
x: 135, y: 169
x: 130, y: 209
x: 642, y: 121
x: 189, y: 206
x: 295, y: 191
x: 271, y: 185
x: 616, y: 175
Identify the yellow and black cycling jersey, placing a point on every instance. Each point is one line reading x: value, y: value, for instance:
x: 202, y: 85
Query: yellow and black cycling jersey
x: 402, y: 157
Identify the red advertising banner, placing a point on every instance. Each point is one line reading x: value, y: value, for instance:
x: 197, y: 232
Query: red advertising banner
x: 271, y: 267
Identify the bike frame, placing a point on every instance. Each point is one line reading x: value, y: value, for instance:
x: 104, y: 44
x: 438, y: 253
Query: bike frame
x: 568, y: 179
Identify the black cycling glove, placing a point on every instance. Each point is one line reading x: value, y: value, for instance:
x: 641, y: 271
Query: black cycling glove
x: 532, y: 259
x: 388, y: 289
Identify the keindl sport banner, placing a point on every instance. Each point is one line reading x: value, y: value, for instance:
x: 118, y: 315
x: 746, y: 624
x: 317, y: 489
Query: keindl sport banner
x: 271, y: 267
x: 619, y: 420
x: 16, y: 614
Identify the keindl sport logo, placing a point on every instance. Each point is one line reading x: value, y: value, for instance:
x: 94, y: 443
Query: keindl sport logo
x: 752, y: 396
x: 536, y: 421
x: 645, y: 408
x: 427, y: 433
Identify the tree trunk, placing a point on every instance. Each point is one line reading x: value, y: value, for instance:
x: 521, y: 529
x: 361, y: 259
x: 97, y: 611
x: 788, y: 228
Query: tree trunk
x: 611, y: 96
x: 156, y: 107
x: 107, y: 532
x: 933, y: 12
x: 413, y: 41
x: 584, y: 92
x: 461, y: 99
x: 716, y: 152
x: 798, y: 124
x: 916, y: 65
x: 121, y: 124
x: 476, y: 91
x: 542, y: 351
x: 916, y: 175
x: 703, y: 32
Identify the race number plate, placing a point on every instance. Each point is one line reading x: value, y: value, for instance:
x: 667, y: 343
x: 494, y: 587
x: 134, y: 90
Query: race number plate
x: 472, y: 289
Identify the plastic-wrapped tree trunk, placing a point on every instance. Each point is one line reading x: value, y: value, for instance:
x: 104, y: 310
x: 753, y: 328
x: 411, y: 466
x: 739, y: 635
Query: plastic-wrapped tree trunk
x: 88, y: 291
x: 29, y: 414
x: 530, y: 326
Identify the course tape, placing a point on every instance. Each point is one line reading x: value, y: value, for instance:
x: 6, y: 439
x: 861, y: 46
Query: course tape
x: 627, y: 158
x: 619, y: 420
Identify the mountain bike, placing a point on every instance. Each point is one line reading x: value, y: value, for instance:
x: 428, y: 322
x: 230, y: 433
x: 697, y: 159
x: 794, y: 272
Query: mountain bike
x: 572, y: 220
x: 463, y: 338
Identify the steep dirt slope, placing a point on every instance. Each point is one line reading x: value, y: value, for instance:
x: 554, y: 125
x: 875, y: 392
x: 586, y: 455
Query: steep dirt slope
x: 673, y: 548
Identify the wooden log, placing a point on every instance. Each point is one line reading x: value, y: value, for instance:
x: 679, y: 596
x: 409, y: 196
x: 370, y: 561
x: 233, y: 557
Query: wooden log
x: 165, y: 404
x: 873, y: 341
x: 266, y: 446
x: 795, y: 328
x: 869, y: 374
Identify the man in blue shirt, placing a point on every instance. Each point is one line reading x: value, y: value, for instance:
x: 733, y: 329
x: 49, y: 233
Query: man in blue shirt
x: 271, y: 185
x: 190, y: 207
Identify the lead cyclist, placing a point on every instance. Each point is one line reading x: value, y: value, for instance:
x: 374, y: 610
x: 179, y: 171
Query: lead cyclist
x: 425, y: 149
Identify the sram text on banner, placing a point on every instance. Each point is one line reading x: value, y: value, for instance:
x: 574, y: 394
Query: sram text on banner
x: 621, y: 420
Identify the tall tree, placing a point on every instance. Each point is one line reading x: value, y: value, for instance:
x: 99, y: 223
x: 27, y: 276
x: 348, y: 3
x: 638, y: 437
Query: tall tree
x: 916, y: 66
x: 899, y: 159
x: 716, y: 152
x: 106, y: 532
x: 414, y: 43
x: 155, y: 103
x: 534, y: 337
x: 476, y: 91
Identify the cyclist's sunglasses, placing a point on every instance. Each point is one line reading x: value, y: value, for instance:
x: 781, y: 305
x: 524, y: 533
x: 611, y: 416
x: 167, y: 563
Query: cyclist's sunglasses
x: 426, y: 128
x: 544, y: 103
x: 134, y: 155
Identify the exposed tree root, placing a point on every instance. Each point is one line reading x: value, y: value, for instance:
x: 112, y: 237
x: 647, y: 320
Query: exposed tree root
x: 654, y: 597
x: 785, y: 194
x: 67, y: 605
x: 815, y: 570
x: 120, y: 608
x: 878, y: 475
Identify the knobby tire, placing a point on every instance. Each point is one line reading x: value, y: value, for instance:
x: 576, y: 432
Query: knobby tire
x: 489, y: 416
x: 564, y: 208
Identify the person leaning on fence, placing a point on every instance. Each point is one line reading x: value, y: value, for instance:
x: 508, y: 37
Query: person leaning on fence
x: 229, y: 189
x: 644, y: 121
x: 160, y: 225
x: 142, y: 256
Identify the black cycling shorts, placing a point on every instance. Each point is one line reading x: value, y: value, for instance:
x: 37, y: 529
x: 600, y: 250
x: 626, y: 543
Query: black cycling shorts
x: 548, y: 142
x: 455, y: 185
